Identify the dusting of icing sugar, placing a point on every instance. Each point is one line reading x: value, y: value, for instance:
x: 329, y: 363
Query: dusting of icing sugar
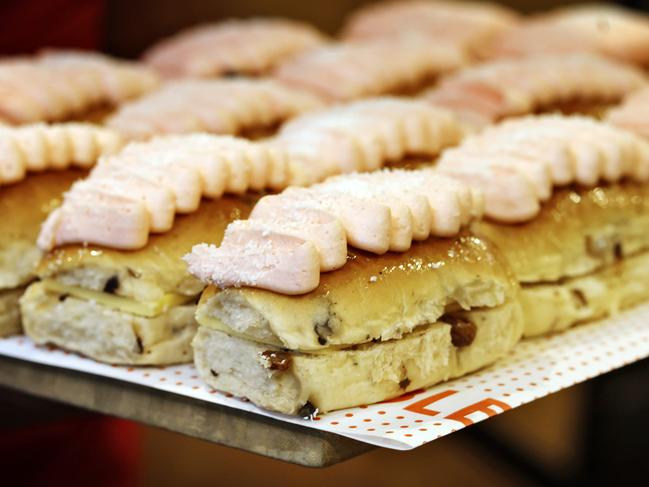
x: 188, y: 167
x: 374, y: 208
x: 330, y: 216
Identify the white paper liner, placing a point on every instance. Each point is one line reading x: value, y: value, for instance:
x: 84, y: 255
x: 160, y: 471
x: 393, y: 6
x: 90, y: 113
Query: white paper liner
x: 535, y: 368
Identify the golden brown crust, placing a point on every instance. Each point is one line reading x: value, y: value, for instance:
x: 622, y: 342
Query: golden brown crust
x: 577, y: 231
x: 589, y: 107
x: 157, y: 268
x: 371, y: 298
x: 10, y: 323
x: 23, y: 207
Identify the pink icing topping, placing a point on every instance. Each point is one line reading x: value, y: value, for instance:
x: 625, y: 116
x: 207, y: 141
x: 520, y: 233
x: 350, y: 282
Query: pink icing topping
x: 169, y: 175
x: 39, y: 147
x: 502, y: 171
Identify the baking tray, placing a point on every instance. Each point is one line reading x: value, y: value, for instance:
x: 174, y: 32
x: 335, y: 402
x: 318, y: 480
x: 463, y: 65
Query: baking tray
x: 174, y: 397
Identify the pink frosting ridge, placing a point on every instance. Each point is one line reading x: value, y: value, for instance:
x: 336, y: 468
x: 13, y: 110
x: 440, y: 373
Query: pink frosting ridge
x: 38, y: 147
x: 61, y: 84
x: 250, y: 46
x: 222, y: 106
x: 506, y: 172
x: 149, y: 182
x: 378, y: 212
x: 488, y: 92
x: 517, y: 162
x: 347, y: 71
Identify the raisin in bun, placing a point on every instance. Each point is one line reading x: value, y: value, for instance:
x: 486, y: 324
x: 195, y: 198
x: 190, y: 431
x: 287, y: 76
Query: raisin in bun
x: 378, y: 327
x: 131, y: 307
x: 581, y: 258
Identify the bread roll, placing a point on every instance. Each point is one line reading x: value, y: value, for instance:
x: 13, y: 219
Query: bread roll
x: 378, y: 327
x: 581, y: 258
x: 370, y: 298
x: 131, y: 307
x: 294, y: 382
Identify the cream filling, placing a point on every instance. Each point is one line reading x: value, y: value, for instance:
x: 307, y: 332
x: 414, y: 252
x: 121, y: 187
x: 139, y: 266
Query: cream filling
x: 148, y: 309
x: 285, y: 381
x: 551, y: 307
x: 205, y: 318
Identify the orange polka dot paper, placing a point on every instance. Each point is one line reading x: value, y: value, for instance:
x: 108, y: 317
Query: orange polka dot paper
x: 535, y: 368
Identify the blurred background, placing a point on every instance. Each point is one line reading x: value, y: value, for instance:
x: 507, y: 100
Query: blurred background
x: 126, y: 27
x: 581, y: 436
